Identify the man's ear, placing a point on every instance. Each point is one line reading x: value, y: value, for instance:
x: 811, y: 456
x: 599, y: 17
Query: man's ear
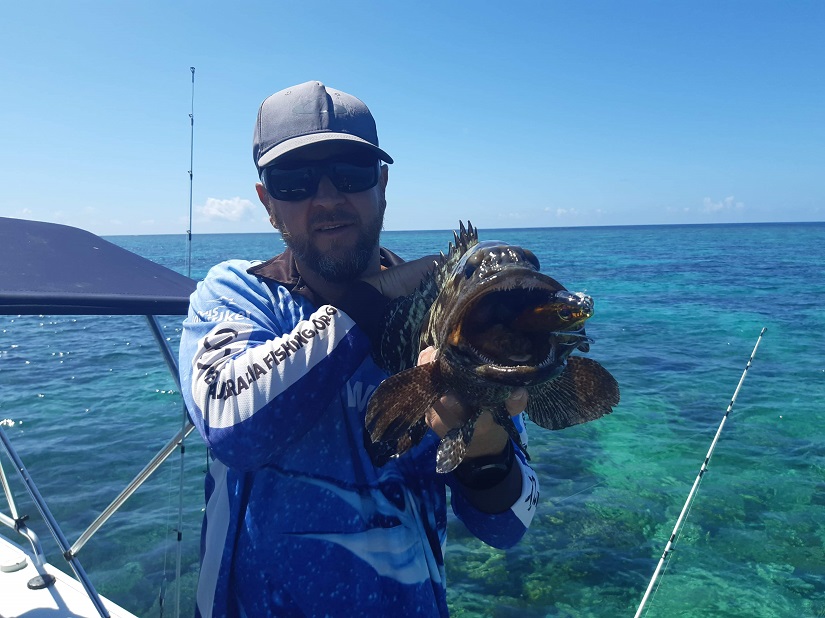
x: 382, y: 183
x: 266, y: 200
x: 385, y: 176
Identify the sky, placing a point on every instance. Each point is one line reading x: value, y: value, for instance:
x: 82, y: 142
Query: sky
x: 509, y: 114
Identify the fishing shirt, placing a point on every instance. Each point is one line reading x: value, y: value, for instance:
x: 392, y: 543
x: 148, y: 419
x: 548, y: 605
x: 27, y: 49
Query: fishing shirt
x: 298, y: 520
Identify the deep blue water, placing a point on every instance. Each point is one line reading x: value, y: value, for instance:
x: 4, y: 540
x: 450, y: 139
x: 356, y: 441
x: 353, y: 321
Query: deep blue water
x: 678, y: 311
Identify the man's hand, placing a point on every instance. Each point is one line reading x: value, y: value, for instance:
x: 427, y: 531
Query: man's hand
x: 402, y: 279
x: 448, y: 412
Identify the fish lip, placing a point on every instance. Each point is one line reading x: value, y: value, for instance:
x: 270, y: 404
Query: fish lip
x: 513, y: 276
x: 521, y: 375
x: 514, y: 279
x: 510, y: 279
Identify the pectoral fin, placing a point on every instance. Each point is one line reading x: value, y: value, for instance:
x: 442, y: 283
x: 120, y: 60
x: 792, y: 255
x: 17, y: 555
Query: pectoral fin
x: 453, y: 446
x: 396, y: 411
x: 583, y: 392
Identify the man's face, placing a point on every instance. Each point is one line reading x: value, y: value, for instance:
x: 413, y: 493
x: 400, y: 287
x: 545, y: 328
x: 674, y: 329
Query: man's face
x: 332, y: 232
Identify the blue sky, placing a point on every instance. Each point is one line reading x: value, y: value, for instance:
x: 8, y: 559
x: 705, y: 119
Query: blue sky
x: 511, y: 114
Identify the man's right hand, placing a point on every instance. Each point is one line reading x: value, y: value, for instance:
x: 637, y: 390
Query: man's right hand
x: 402, y: 279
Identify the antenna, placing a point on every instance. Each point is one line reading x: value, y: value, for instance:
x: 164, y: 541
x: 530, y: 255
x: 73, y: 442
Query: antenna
x: 191, y: 165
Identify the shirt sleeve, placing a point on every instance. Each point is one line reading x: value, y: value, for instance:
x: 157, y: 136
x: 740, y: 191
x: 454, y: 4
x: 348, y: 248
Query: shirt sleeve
x: 501, y: 530
x: 257, y: 367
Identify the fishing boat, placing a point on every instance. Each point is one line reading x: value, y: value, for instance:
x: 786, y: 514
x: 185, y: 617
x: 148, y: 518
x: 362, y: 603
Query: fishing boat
x: 52, y: 269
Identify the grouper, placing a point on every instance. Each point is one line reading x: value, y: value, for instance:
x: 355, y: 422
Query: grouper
x: 497, y: 323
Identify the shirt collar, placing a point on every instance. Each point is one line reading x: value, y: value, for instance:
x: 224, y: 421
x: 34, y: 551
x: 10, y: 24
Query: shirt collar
x: 283, y: 270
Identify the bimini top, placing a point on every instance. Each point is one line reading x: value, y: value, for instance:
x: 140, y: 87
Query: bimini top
x: 52, y: 269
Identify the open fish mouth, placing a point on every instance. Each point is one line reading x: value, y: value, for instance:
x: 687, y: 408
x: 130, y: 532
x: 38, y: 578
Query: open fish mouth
x: 529, y: 328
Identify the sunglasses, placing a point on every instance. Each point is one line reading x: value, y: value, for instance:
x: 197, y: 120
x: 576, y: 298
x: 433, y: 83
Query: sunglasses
x: 293, y: 182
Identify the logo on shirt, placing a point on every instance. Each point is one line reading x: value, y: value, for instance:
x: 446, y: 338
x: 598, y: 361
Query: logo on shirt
x: 229, y: 340
x: 222, y: 312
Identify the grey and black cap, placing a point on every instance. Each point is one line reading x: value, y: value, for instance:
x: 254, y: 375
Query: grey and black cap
x: 312, y: 116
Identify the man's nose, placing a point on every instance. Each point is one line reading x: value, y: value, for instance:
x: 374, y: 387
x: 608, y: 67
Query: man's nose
x: 327, y: 193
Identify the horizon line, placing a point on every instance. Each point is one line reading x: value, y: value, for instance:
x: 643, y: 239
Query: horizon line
x: 545, y: 227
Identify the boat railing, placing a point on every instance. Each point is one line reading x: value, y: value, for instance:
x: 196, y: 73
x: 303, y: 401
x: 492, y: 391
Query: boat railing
x: 69, y: 552
x: 17, y: 523
x: 63, y: 270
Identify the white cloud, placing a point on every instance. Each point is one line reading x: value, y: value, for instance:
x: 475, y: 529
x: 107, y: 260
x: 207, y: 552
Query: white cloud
x: 563, y: 213
x: 233, y: 209
x: 728, y: 204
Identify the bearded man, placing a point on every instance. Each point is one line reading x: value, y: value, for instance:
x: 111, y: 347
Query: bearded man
x: 276, y: 370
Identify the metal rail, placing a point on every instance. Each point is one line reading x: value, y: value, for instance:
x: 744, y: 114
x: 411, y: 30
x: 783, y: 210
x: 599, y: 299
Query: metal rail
x: 70, y: 553
x: 51, y: 522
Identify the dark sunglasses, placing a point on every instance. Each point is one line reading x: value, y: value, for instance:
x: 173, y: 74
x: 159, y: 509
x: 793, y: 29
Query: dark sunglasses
x: 298, y: 181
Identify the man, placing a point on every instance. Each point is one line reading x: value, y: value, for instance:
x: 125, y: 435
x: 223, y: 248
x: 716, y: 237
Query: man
x: 276, y: 371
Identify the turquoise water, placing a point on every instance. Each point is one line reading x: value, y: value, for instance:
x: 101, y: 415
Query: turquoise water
x: 678, y: 311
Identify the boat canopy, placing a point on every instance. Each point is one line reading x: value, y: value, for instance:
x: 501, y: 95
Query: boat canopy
x: 54, y: 269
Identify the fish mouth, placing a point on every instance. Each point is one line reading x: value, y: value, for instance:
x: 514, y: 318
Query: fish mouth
x: 520, y: 330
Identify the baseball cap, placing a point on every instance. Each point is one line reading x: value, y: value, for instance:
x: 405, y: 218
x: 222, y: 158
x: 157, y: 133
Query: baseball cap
x: 311, y: 114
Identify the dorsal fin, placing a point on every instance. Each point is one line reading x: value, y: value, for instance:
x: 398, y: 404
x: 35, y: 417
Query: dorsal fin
x: 465, y: 239
x: 404, y: 317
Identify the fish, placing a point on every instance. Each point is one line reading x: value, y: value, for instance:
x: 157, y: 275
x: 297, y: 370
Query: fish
x: 498, y: 323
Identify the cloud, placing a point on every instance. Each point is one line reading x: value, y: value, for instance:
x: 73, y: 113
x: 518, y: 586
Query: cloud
x: 233, y: 209
x: 728, y: 204
x: 563, y: 213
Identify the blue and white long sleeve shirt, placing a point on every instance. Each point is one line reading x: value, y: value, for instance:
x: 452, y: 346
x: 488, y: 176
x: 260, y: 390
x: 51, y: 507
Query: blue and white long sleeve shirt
x: 298, y: 520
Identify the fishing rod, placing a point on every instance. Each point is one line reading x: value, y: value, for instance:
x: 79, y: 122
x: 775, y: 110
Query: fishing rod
x: 191, y: 165
x: 187, y: 426
x: 691, y: 495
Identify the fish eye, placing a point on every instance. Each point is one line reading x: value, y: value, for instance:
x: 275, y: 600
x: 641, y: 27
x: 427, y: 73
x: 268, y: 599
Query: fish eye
x: 531, y: 257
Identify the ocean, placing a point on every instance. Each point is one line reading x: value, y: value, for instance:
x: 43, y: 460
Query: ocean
x: 87, y: 401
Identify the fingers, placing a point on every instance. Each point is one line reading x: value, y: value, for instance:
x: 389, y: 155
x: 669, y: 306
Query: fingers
x: 449, y: 412
x: 402, y: 279
x: 420, y: 267
x: 446, y: 413
x: 427, y: 355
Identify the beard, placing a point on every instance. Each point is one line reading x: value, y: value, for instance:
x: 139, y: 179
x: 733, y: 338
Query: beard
x: 341, y: 264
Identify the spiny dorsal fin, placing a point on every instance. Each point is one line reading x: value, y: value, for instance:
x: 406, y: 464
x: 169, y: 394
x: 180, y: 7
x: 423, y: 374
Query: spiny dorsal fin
x: 466, y: 238
x: 398, y: 346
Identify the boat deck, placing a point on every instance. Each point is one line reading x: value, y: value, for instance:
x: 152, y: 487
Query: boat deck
x: 65, y: 598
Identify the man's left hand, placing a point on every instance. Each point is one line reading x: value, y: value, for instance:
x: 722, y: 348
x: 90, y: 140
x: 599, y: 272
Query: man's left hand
x: 449, y: 412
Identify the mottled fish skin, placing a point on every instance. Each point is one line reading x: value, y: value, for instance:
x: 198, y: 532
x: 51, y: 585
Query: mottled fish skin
x: 454, y: 445
x: 498, y: 324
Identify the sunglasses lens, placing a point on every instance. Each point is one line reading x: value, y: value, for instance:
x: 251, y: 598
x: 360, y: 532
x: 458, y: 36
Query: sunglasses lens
x: 297, y: 182
x: 353, y: 178
x: 291, y: 185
